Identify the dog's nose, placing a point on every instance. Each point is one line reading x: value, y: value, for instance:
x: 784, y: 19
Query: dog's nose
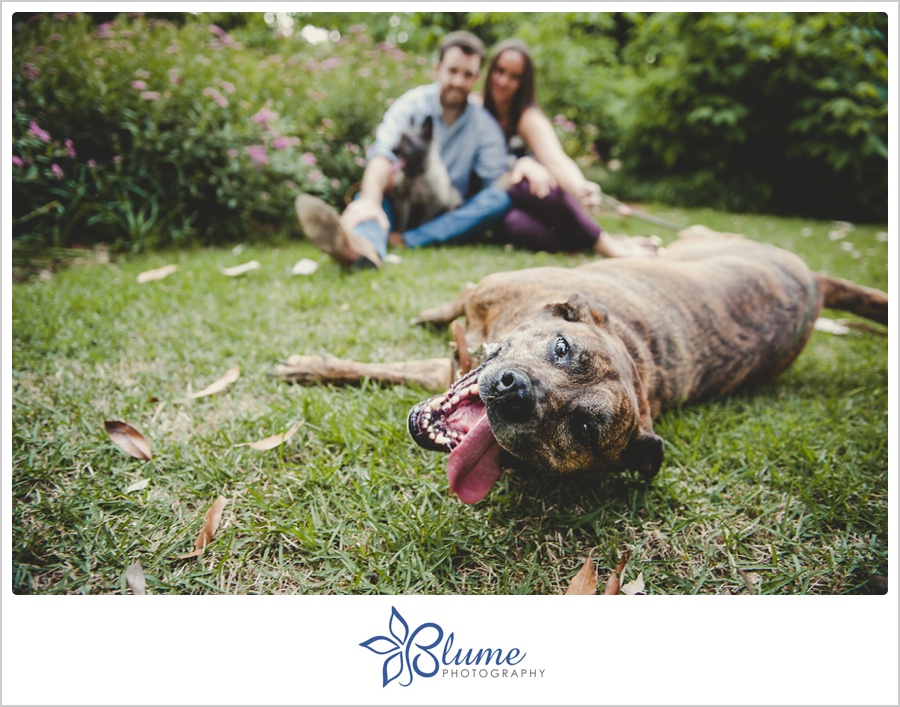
x: 512, y: 393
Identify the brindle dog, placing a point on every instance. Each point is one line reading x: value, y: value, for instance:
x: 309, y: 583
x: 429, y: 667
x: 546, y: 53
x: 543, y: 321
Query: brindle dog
x: 585, y: 358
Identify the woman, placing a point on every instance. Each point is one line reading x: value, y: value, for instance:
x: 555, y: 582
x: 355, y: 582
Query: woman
x: 549, y: 191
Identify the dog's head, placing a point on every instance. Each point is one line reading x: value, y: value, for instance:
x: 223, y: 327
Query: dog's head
x: 412, y: 147
x: 560, y: 394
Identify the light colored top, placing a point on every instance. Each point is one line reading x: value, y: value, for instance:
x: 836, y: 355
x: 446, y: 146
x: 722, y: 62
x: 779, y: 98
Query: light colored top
x: 473, y: 143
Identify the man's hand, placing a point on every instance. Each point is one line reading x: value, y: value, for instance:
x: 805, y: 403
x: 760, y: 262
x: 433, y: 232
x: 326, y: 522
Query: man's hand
x: 364, y: 209
x: 368, y: 206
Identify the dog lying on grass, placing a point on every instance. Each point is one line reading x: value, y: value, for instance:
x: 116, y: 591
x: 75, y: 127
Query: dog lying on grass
x: 579, y: 361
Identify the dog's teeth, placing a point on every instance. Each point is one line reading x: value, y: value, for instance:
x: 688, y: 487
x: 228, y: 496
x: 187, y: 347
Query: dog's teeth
x: 431, y: 435
x: 435, y: 404
x: 454, y: 400
x: 441, y: 439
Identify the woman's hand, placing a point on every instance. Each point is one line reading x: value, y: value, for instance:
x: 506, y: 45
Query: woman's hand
x: 589, y: 195
x: 540, y: 181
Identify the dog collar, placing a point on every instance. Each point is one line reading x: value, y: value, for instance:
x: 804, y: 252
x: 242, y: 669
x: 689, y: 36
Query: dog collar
x: 812, y: 298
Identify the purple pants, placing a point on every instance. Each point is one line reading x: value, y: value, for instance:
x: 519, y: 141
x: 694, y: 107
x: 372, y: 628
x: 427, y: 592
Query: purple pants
x: 557, y: 222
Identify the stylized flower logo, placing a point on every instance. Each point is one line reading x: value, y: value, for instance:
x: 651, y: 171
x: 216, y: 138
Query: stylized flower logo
x: 400, y: 645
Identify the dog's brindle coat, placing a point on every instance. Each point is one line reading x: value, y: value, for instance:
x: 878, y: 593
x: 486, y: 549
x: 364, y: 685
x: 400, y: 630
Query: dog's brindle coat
x: 586, y: 357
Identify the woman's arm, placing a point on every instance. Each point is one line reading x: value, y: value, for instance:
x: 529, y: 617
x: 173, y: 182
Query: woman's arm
x: 540, y: 181
x: 539, y: 136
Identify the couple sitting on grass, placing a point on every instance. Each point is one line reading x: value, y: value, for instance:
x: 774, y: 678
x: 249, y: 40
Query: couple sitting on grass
x: 541, y: 206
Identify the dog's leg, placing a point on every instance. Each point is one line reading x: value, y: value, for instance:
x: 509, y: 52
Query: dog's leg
x: 701, y: 232
x: 402, y: 208
x: 445, y: 313
x: 441, y: 196
x: 850, y: 297
x: 432, y: 373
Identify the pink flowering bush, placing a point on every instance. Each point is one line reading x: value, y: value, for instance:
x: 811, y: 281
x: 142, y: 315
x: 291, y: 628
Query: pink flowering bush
x: 142, y: 134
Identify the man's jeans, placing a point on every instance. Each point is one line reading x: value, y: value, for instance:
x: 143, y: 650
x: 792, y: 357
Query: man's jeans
x: 474, y: 218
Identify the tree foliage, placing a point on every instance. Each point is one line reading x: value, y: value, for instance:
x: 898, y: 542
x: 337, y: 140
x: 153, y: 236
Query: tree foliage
x: 150, y: 130
x: 784, y: 112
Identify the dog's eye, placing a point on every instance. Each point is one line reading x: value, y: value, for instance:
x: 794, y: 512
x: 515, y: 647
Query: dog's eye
x: 584, y: 429
x: 561, y: 348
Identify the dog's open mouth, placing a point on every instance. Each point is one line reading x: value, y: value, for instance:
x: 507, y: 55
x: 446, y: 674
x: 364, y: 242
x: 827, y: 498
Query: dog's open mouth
x: 457, y: 422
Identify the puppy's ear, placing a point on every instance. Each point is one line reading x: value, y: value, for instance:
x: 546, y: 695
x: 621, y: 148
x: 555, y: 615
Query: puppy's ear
x: 579, y: 309
x: 427, y: 128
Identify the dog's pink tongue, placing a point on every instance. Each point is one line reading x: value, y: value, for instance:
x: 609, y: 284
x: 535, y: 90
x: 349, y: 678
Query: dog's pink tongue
x: 474, y: 466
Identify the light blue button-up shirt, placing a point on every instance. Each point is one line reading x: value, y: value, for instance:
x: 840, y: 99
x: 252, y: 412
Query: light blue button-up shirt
x: 474, y: 143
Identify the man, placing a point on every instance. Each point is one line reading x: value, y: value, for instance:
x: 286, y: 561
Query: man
x: 471, y: 143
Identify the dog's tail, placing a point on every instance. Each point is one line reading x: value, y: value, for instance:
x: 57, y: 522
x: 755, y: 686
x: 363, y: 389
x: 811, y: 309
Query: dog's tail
x: 850, y: 297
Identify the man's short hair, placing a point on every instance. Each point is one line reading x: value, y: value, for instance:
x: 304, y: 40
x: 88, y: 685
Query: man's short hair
x: 466, y: 41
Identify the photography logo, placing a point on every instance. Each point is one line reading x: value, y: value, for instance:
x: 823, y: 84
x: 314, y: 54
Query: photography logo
x: 425, y: 652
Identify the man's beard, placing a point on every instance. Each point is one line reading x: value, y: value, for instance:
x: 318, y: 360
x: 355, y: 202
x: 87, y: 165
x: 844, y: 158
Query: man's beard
x: 453, y: 97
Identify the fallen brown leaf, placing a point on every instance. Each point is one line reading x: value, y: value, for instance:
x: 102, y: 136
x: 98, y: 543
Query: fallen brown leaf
x: 138, y: 486
x: 623, y: 560
x: 128, y: 439
x: 585, y: 582
x: 213, y: 517
x: 241, y: 269
x: 304, y: 266
x: 830, y: 326
x: 231, y: 375
x: 268, y: 443
x: 613, y: 583
x: 750, y: 579
x: 636, y: 586
x: 158, y: 274
x: 134, y: 575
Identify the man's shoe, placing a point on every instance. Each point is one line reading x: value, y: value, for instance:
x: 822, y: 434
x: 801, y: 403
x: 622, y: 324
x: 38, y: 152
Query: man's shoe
x: 322, y: 225
x: 395, y: 240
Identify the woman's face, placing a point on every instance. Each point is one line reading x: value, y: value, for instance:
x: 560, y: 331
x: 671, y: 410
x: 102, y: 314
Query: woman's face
x: 506, y: 77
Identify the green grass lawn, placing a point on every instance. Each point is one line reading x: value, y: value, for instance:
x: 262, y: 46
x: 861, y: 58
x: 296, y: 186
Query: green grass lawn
x: 779, y: 491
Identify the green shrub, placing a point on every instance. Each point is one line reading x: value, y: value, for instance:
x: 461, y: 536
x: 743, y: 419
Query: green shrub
x: 779, y: 112
x: 142, y: 133
x: 578, y: 79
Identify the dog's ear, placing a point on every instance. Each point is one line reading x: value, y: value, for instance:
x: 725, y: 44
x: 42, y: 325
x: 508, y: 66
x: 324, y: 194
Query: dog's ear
x: 428, y: 128
x: 644, y: 452
x: 579, y: 309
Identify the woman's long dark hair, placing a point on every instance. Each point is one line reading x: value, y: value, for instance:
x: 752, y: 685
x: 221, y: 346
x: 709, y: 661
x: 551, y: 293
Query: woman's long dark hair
x: 525, y: 95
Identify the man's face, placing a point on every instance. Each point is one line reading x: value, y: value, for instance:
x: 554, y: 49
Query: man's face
x: 457, y: 73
